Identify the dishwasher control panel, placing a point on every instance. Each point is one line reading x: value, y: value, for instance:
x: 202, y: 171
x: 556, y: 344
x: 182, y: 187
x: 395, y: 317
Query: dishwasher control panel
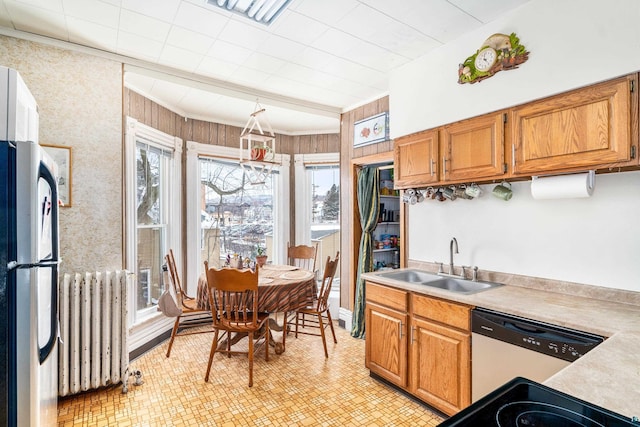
x: 556, y: 341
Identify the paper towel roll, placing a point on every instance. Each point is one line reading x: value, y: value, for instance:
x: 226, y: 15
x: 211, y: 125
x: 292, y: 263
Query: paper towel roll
x: 563, y: 186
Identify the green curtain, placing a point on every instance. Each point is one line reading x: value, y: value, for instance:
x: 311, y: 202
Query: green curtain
x: 369, y: 206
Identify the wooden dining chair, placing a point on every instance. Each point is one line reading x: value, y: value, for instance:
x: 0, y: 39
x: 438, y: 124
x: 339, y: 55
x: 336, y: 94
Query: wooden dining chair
x: 191, y: 316
x: 302, y: 256
x: 233, y: 295
x: 320, y: 316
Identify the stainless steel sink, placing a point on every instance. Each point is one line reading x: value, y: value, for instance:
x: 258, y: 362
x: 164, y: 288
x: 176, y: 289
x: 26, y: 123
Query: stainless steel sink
x: 461, y: 286
x: 452, y: 284
x: 411, y: 276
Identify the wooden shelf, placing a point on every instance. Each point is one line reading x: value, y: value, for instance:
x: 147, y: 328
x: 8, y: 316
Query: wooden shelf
x: 386, y: 250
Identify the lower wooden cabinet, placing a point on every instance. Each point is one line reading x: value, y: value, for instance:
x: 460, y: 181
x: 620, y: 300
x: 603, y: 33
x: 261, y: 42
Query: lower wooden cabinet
x: 420, y: 344
x: 386, y: 333
x: 440, y: 356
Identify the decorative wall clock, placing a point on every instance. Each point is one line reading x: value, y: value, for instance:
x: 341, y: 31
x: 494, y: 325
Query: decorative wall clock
x: 498, y: 52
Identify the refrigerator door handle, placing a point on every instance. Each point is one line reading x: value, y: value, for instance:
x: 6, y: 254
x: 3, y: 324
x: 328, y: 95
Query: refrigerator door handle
x: 13, y: 265
x: 52, y: 263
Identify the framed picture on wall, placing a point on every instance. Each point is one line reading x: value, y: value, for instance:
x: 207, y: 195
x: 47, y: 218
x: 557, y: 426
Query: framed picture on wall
x: 62, y: 156
x: 371, y: 130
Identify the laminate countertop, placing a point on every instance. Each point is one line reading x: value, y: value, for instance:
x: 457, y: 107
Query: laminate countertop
x: 609, y: 375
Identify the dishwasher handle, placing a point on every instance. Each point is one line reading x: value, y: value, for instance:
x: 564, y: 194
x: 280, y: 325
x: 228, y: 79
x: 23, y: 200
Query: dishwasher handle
x: 527, y: 328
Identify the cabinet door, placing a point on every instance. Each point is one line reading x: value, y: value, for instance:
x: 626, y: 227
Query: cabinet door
x: 474, y: 149
x: 415, y: 159
x: 589, y: 127
x: 440, y: 366
x: 386, y: 343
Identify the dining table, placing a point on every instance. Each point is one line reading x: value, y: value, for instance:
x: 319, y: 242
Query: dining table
x: 282, y: 289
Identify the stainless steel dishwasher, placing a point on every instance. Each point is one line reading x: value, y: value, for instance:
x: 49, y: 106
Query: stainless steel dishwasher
x: 506, y: 346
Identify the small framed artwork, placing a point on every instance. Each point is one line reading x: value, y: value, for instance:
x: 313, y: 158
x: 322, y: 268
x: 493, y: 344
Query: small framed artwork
x: 62, y: 156
x: 371, y: 130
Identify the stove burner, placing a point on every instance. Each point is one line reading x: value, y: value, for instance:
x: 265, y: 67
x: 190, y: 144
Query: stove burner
x: 538, y: 414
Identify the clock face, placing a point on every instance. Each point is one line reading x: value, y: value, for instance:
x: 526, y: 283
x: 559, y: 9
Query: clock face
x: 485, y: 59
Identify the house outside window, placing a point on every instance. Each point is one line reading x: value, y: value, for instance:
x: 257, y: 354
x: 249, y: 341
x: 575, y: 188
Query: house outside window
x: 227, y: 215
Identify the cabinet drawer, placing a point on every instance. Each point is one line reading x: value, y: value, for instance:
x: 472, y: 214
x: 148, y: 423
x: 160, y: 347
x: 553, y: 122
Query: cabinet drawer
x: 386, y: 296
x: 452, y: 314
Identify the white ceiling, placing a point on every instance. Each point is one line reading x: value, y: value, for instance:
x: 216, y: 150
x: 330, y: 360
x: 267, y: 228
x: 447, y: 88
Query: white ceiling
x: 319, y: 58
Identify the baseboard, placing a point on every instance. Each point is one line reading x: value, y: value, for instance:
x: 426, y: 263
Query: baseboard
x: 345, y: 317
x: 149, y: 345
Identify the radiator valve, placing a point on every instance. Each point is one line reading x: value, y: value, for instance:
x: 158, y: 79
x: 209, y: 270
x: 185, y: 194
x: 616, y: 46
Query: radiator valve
x: 139, y: 380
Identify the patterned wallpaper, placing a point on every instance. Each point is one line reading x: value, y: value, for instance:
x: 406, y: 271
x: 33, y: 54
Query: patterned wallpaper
x: 80, y: 103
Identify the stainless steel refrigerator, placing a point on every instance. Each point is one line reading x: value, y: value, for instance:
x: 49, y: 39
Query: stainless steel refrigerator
x: 28, y: 263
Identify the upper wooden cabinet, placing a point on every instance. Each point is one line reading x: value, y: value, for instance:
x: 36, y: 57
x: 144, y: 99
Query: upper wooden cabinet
x: 416, y: 159
x: 473, y: 149
x: 585, y: 128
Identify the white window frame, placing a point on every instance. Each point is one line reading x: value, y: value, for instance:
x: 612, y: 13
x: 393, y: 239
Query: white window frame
x: 303, y: 182
x: 196, y: 150
x: 149, y: 323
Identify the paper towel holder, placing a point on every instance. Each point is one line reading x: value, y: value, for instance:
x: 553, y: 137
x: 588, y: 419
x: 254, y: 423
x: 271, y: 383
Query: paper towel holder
x: 591, y: 177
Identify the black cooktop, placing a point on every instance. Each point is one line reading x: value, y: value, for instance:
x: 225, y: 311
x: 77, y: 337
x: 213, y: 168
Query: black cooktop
x: 525, y: 403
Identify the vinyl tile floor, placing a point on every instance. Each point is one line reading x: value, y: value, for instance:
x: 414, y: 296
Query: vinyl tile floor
x: 296, y: 388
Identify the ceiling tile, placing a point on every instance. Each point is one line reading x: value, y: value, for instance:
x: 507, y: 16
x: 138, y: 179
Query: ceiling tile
x: 281, y: 47
x: 144, y: 26
x: 336, y: 66
x: 5, y: 19
x: 216, y: 68
x: 487, y: 11
x: 189, y: 40
x: 93, y: 11
x: 244, y: 34
x: 164, y: 10
x: 138, y: 47
x: 326, y: 11
x: 138, y: 83
x: 248, y: 76
x: 91, y: 34
x: 386, y: 32
x: 266, y: 63
x: 194, y: 100
x: 200, y: 19
x: 229, y: 52
x: 37, y: 20
x: 180, y: 58
x: 332, y: 52
x: 296, y: 26
x: 50, y: 5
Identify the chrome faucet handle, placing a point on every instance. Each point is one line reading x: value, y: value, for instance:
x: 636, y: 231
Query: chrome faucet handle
x: 475, y: 273
x: 464, y: 271
x: 440, y: 268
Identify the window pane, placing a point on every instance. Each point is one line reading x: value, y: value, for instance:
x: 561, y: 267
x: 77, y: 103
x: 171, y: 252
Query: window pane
x: 148, y: 185
x: 236, y: 216
x: 149, y: 267
x: 151, y: 180
x: 325, y: 221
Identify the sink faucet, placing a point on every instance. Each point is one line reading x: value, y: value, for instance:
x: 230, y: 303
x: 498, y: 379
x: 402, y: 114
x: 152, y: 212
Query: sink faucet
x: 453, y: 241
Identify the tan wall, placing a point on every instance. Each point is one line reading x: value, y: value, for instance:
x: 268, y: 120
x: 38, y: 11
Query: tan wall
x: 80, y: 103
x: 349, y: 221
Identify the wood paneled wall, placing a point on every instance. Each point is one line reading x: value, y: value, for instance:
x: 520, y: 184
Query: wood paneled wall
x: 349, y: 218
x: 165, y: 120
